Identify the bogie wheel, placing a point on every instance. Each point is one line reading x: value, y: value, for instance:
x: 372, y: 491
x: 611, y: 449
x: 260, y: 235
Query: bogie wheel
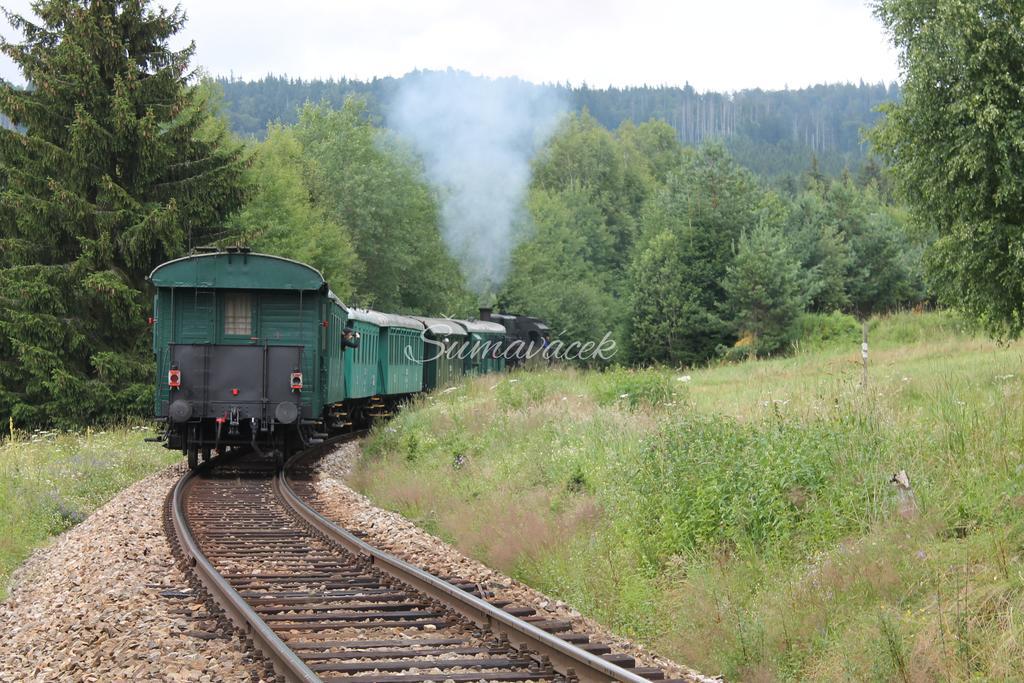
x: 193, y: 458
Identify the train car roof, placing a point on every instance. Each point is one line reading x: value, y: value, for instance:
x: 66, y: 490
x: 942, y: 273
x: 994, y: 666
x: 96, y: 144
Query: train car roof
x: 436, y: 326
x: 384, y: 319
x: 236, y: 269
x: 482, y: 327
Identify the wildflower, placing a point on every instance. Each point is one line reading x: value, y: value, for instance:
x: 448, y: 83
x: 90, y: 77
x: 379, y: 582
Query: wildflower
x: 683, y: 378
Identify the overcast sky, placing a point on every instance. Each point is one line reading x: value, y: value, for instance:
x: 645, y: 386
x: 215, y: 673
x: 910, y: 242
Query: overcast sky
x: 712, y: 45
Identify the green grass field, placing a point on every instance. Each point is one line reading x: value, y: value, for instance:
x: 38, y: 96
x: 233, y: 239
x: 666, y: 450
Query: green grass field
x: 741, y: 517
x: 50, y: 481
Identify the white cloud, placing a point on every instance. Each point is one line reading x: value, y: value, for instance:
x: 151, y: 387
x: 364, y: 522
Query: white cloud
x: 713, y: 46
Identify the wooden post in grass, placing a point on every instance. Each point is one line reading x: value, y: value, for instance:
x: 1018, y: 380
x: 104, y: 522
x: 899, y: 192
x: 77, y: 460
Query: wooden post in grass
x: 864, y: 354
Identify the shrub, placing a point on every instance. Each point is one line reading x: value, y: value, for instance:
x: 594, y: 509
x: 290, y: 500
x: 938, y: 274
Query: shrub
x: 638, y: 388
x: 820, y: 330
x: 703, y: 481
x: 908, y: 327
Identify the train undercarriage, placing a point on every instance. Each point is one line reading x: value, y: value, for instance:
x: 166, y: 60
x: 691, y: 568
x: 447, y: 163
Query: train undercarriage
x: 200, y: 439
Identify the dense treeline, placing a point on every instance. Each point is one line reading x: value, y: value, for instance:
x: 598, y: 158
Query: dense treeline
x: 679, y: 252
x: 685, y: 253
x: 774, y: 133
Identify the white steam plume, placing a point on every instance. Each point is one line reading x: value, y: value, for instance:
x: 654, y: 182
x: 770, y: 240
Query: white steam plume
x: 476, y: 137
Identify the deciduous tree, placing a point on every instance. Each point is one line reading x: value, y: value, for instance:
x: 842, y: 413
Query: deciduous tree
x: 955, y: 145
x: 287, y: 213
x: 374, y: 185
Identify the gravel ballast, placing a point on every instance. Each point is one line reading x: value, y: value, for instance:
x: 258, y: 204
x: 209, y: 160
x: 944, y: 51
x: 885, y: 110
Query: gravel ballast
x: 397, y: 535
x: 105, y: 601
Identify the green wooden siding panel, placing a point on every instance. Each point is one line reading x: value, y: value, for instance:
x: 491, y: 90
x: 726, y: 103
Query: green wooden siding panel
x: 361, y: 364
x: 442, y: 371
x: 194, y: 315
x: 402, y: 374
x: 162, y: 326
x: 449, y: 370
x: 285, y: 319
x: 335, y: 353
x: 481, y: 361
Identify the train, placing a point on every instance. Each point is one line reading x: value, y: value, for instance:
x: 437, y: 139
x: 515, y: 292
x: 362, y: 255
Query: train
x: 254, y: 351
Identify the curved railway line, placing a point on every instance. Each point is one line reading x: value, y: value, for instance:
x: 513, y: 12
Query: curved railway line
x: 322, y: 604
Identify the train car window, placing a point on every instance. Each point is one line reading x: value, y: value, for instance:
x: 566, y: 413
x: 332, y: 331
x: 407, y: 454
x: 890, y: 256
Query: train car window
x: 237, y: 313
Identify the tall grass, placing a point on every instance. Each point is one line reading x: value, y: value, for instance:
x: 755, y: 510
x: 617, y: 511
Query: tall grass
x: 50, y: 481
x: 741, y: 518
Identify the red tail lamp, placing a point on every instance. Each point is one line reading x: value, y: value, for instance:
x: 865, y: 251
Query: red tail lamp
x: 234, y: 392
x: 174, y: 378
x: 296, y: 381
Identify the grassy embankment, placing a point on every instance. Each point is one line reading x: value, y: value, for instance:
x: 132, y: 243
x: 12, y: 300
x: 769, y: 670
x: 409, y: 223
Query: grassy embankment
x: 743, y: 521
x: 50, y: 481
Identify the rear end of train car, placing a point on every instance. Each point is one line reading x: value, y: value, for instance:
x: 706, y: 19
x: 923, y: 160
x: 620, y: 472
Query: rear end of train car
x: 249, y: 352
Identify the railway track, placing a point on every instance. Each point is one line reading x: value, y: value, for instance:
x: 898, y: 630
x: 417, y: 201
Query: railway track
x: 321, y: 604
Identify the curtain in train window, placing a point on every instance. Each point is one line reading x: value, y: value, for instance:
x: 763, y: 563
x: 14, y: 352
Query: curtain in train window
x: 238, y: 314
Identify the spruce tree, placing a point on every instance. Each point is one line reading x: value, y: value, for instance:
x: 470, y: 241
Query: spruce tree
x: 688, y: 234
x: 115, y: 166
x: 286, y: 214
x: 764, y: 289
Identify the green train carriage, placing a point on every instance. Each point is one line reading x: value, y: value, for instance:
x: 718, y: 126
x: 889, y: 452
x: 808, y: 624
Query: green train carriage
x: 388, y: 367
x: 442, y: 364
x: 249, y: 351
x: 486, y: 343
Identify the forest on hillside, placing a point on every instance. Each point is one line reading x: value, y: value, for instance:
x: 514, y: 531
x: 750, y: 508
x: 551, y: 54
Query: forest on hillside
x: 679, y: 251
x: 774, y: 133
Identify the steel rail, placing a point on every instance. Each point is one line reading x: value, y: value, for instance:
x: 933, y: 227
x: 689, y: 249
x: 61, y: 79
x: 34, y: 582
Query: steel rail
x: 567, y: 659
x: 285, y: 662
